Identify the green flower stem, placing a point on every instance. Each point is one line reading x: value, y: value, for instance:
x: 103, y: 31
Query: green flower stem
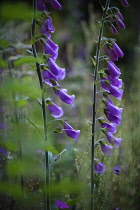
x: 94, y: 102
x: 47, y: 167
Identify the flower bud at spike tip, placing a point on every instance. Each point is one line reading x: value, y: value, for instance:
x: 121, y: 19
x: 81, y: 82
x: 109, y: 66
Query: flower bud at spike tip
x: 124, y: 3
x: 120, y: 24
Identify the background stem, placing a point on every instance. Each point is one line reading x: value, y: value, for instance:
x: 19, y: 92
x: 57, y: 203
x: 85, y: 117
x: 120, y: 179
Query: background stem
x: 94, y: 102
x: 47, y: 168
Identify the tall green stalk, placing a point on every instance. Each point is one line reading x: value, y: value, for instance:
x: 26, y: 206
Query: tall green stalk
x: 94, y: 102
x: 47, y: 167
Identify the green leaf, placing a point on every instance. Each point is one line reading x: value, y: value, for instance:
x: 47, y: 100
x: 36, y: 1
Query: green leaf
x: 16, y: 11
x: 93, y: 61
x: 35, y: 127
x: 3, y: 63
x: 27, y: 59
x: 4, y: 43
x: 96, y: 82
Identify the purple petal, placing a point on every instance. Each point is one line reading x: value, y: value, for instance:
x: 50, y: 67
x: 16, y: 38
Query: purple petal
x: 55, y: 4
x: 115, y: 81
x: 117, y: 51
x: 107, y: 149
x: 71, y: 132
x: 48, y: 75
x: 113, y: 69
x: 113, y: 118
x: 40, y: 5
x: 118, y: 169
x: 111, y: 53
x: 62, y: 93
x: 55, y: 111
x: 48, y: 25
x: 50, y: 51
x: 113, y: 30
x: 61, y: 205
x: 113, y: 109
x: 116, y: 92
x: 3, y: 126
x: 3, y: 151
x: 113, y: 140
x: 56, y: 70
x: 99, y: 167
x: 124, y: 3
x: 110, y: 126
x: 53, y: 45
x: 120, y: 24
x: 119, y: 14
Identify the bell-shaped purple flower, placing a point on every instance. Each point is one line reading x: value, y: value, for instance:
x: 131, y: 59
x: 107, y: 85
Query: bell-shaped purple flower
x: 104, y: 84
x: 48, y: 25
x: 120, y: 24
x: 113, y: 109
x: 118, y: 169
x: 124, y: 3
x: 54, y: 110
x: 113, y: 29
x: 114, y: 71
x: 40, y: 5
x: 62, y: 93
x: 115, y: 81
x: 110, y: 52
x: 119, y: 14
x: 117, y: 51
x: 52, y: 45
x: 3, y: 151
x: 50, y: 51
x: 107, y: 150
x: 110, y: 126
x: 113, y: 140
x: 43, y: 31
x: 71, y: 132
x: 61, y: 205
x: 3, y: 126
x: 113, y: 118
x: 116, y: 92
x: 48, y: 75
x: 55, y: 4
x: 99, y: 167
x: 56, y: 70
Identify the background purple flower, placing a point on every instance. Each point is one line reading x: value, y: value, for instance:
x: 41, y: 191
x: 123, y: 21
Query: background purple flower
x: 61, y: 205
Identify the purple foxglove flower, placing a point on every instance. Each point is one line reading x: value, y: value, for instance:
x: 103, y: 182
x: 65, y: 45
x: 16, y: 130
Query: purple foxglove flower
x: 55, y: 4
x: 110, y: 126
x: 117, y: 51
x: 43, y: 31
x: 40, y: 5
x: 71, y: 132
x: 118, y: 169
x: 56, y: 70
x: 111, y: 53
x: 3, y: 126
x: 120, y: 24
x: 61, y: 205
x: 107, y: 150
x: 3, y: 151
x: 114, y: 71
x: 115, y: 81
x: 113, y: 140
x: 120, y: 15
x: 116, y: 92
x: 50, y: 51
x: 62, y: 93
x: 104, y: 85
x: 48, y: 25
x: 113, y: 118
x: 124, y: 3
x: 55, y: 110
x: 48, y: 75
x: 99, y: 167
x: 52, y: 45
x: 113, y: 30
x: 113, y: 109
